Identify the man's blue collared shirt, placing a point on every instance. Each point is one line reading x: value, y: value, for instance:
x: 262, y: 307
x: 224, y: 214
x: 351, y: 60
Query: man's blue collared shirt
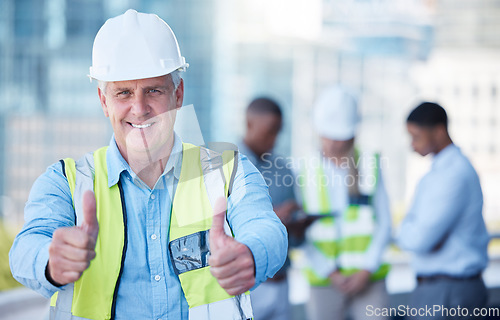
x: 149, y: 288
x: 444, y: 226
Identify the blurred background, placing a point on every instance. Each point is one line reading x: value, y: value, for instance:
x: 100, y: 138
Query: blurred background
x: 393, y: 53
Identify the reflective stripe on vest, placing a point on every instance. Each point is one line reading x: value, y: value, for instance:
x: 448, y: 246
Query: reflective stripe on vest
x: 93, y: 296
x: 189, y: 234
x: 340, y: 241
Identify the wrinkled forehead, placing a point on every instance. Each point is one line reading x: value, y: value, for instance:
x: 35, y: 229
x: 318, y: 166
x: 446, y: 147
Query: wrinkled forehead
x: 161, y: 81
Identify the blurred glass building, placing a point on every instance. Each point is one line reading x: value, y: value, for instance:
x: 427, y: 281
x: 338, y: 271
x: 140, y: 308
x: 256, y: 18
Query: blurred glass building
x: 47, y: 107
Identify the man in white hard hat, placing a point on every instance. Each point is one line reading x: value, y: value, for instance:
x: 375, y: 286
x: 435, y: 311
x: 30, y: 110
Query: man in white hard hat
x: 138, y: 229
x: 344, y: 247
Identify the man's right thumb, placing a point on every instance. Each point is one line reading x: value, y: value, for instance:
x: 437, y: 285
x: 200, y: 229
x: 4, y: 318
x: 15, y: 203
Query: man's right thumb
x: 90, y: 224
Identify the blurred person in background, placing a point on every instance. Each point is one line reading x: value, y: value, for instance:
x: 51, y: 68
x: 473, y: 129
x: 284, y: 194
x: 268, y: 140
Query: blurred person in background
x: 263, y: 123
x: 345, y: 191
x: 151, y: 239
x: 444, y: 228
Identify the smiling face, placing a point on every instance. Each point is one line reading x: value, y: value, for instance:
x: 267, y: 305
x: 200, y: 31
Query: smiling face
x: 142, y: 114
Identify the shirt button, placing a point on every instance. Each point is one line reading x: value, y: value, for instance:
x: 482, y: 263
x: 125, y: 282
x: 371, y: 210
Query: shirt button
x: 153, y: 196
x: 153, y: 236
x: 157, y: 278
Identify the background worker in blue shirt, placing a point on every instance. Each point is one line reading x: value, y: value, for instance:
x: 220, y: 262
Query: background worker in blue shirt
x: 137, y: 62
x: 264, y: 122
x: 444, y: 227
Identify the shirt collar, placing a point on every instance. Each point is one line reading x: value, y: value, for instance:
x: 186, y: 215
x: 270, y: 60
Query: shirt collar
x: 116, y: 164
x: 175, y: 160
x: 445, y: 156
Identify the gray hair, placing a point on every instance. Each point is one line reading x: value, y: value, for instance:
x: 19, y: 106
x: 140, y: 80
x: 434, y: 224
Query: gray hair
x: 102, y: 85
x: 175, y: 75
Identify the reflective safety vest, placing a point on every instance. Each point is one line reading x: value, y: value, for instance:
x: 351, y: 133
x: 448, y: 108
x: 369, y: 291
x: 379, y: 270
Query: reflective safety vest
x: 205, y: 176
x: 340, y: 240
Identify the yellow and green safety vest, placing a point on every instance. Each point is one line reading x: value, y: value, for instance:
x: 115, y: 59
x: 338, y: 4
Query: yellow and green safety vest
x: 205, y: 176
x: 340, y: 240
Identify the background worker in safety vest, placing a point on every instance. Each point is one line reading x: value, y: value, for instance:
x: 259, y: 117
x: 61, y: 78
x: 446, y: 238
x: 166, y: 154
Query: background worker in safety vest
x: 263, y: 123
x: 344, y: 247
x: 139, y: 248
x: 444, y: 227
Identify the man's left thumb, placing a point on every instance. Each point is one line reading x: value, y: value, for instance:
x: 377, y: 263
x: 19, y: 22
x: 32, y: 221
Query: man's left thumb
x: 217, y: 231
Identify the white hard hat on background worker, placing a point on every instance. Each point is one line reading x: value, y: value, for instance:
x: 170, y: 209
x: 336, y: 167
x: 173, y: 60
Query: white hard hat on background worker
x: 335, y: 114
x: 135, y: 46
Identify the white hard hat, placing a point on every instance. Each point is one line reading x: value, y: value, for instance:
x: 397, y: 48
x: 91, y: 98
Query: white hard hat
x: 134, y: 46
x: 335, y: 114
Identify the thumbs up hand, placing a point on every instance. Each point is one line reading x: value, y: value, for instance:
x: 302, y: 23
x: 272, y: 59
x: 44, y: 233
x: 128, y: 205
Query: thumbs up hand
x: 231, y: 262
x: 90, y: 225
x: 72, y: 248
